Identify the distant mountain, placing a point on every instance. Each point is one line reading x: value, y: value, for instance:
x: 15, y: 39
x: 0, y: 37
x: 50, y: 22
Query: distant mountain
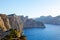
x: 49, y: 19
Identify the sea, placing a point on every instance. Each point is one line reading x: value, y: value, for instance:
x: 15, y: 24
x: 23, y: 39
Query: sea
x: 51, y: 32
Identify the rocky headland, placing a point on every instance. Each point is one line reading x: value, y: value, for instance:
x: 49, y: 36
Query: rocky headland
x: 8, y: 22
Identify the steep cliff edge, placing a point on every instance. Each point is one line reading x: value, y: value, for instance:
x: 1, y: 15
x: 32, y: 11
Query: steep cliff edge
x: 30, y: 23
x: 6, y: 21
x: 2, y: 27
x: 15, y: 22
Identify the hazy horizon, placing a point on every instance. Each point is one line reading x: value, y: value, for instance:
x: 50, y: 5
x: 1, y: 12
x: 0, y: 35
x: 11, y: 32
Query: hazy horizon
x: 31, y: 8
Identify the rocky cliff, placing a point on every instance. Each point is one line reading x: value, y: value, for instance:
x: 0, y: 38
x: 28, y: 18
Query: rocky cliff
x: 6, y: 21
x: 2, y: 27
x: 30, y: 23
x: 15, y: 22
x: 10, y: 22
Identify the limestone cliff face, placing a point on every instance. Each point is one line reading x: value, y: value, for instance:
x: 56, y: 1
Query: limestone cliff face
x: 2, y: 27
x: 6, y: 21
x: 15, y: 22
x: 30, y: 23
x: 10, y: 22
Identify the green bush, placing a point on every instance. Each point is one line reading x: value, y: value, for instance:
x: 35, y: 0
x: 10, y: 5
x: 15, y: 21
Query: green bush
x: 13, y: 34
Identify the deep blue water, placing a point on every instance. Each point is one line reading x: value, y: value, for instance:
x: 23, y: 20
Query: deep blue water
x: 51, y: 32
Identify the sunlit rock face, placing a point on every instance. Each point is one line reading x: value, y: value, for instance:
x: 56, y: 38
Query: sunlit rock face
x: 30, y: 23
x: 15, y: 22
x: 2, y: 27
x: 6, y: 21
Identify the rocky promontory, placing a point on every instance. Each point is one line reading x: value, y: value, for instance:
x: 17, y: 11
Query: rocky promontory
x: 15, y: 22
x: 30, y: 23
x: 8, y: 22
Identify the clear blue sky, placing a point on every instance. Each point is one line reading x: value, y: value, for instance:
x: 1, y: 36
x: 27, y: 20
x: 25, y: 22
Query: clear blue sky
x: 31, y: 8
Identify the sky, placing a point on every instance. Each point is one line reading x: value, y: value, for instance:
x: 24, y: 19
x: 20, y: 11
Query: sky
x: 31, y: 8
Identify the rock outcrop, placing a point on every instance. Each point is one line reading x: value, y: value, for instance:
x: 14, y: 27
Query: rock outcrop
x: 2, y: 27
x: 30, y: 23
x: 15, y: 22
x: 6, y: 21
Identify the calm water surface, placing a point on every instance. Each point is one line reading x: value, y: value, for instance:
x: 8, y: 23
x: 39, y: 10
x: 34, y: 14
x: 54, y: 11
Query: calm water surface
x: 51, y: 32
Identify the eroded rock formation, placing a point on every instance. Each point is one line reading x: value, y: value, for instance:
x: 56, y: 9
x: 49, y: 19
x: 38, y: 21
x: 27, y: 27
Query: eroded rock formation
x: 15, y: 22
x: 30, y: 23
x: 2, y: 27
x: 10, y: 22
x: 6, y: 21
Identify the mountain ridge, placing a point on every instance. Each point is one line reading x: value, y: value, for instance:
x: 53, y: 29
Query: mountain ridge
x: 49, y: 20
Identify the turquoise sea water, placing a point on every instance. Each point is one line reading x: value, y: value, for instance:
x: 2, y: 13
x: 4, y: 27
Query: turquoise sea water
x: 51, y: 32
